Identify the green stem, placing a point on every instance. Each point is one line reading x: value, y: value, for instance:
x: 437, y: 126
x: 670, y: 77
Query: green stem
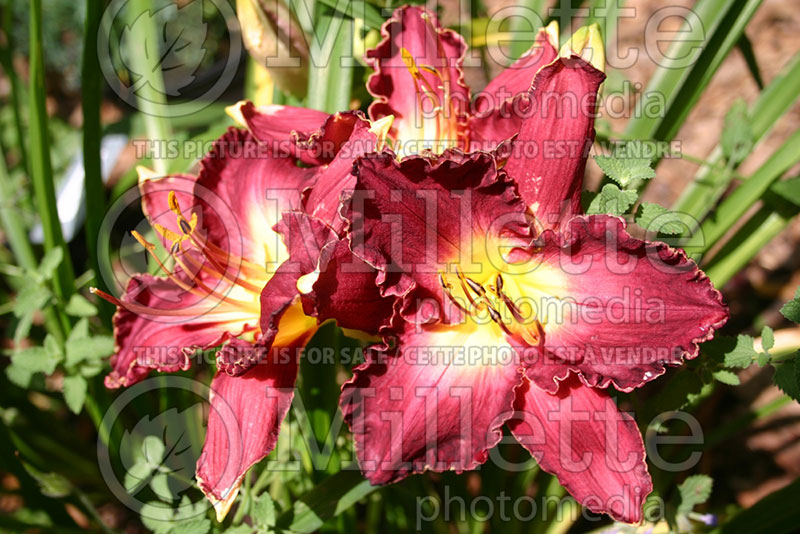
x: 41, y: 167
x: 748, y: 241
x: 330, y: 83
x: 91, y: 96
x: 710, y: 182
x: 751, y: 191
x: 151, y: 96
x: 7, y: 59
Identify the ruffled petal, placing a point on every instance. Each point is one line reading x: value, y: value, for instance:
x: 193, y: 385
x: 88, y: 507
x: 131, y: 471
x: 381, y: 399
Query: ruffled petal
x: 243, y: 191
x: 243, y: 426
x: 499, y: 110
x: 549, y: 155
x: 415, y: 218
x: 336, y: 178
x: 518, y: 77
x: 282, y: 317
x: 438, y: 403
x: 626, y: 308
x: 278, y: 127
x: 159, y: 324
x: 417, y: 72
x: 595, y: 450
x: 345, y: 289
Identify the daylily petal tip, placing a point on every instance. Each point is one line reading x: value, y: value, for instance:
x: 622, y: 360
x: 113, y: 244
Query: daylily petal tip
x: 235, y: 112
x: 552, y: 32
x: 587, y: 43
x: 381, y: 128
x: 145, y: 173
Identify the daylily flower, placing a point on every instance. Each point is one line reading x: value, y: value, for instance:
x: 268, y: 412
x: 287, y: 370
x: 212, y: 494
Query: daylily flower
x: 229, y: 282
x: 505, y: 321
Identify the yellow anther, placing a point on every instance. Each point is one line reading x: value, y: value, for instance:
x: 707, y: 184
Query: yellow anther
x: 167, y: 234
x: 142, y: 241
x: 174, y: 206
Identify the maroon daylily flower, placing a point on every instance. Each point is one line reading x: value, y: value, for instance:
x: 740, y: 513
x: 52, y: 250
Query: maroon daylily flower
x: 505, y: 321
x: 234, y: 282
x: 501, y: 328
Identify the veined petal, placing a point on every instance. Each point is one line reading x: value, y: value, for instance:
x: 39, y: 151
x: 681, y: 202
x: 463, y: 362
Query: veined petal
x: 159, y: 324
x: 336, y: 178
x: 596, y: 451
x: 345, y: 288
x: 414, y: 219
x: 243, y: 426
x: 418, y: 79
x: 549, y: 155
x: 282, y: 317
x: 518, y: 77
x: 438, y: 403
x: 277, y: 126
x: 627, y: 308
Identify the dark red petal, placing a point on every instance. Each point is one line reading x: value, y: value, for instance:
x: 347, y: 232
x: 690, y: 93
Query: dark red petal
x: 336, y: 178
x: 518, y: 77
x: 395, y: 90
x: 279, y: 127
x: 595, y: 450
x: 411, y: 219
x: 630, y: 307
x: 147, y: 340
x: 346, y: 290
x: 243, y: 425
x: 500, y: 108
x: 549, y: 155
x: 242, y: 191
x: 414, y: 410
x: 305, y: 238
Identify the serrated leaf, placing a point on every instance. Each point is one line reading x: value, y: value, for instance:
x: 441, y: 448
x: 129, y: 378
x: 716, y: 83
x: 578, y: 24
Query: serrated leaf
x: 791, y: 310
x: 737, y: 137
x: 157, y: 516
x: 75, y: 392
x: 787, y: 377
x: 743, y: 354
x: 695, y: 490
x: 612, y: 200
x: 19, y: 375
x: 50, y: 262
x: 767, y: 338
x: 88, y: 349
x: 625, y: 171
x: 31, y: 298
x: 727, y: 377
x: 655, y: 218
x: 79, y: 306
x: 263, y: 512
x: 50, y: 484
x: 37, y: 359
x: 195, y: 526
x: 136, y: 475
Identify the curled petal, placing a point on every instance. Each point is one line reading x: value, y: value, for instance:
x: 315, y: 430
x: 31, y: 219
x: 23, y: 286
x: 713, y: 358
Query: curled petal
x: 412, y: 219
x: 549, y: 154
x: 282, y: 317
x: 596, y: 451
x: 159, y: 324
x: 345, y: 289
x: 277, y: 126
x: 419, y: 80
x: 433, y: 405
x: 626, y: 310
x: 243, y: 425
